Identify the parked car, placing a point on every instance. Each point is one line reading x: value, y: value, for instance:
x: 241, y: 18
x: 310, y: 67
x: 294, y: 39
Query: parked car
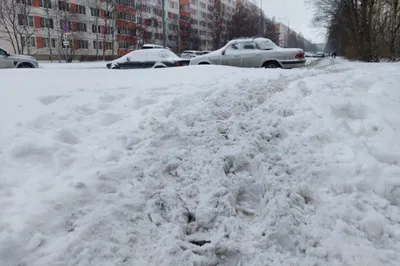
x: 315, y: 55
x: 148, y: 58
x: 190, y: 54
x: 153, y: 46
x: 8, y: 60
x: 253, y: 52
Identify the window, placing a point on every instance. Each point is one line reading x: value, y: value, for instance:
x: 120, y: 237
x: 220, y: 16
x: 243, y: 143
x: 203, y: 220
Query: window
x: 81, y: 44
x: 25, y: 20
x: 127, y: 3
x: 45, y: 3
x: 81, y: 27
x: 30, y: 42
x: 126, y: 45
x: 2, y: 52
x: 108, y: 14
x: 246, y: 45
x: 63, y: 6
x: 80, y: 9
x: 95, y: 12
x: 96, y: 28
x: 46, y: 23
x: 65, y: 23
x: 126, y: 31
x: 126, y: 16
x: 266, y: 45
x: 109, y: 30
x: 109, y: 45
x: 97, y: 45
x: 49, y: 43
x: 25, y: 2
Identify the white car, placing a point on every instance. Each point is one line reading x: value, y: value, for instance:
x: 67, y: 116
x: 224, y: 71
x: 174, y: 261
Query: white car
x: 148, y: 58
x: 253, y: 53
x: 8, y: 60
x: 153, y: 46
x: 190, y: 53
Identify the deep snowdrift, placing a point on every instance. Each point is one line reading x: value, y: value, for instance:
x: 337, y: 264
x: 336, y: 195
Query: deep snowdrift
x: 201, y: 166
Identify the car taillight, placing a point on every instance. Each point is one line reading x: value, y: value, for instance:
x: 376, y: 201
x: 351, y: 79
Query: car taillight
x: 179, y: 64
x: 300, y: 55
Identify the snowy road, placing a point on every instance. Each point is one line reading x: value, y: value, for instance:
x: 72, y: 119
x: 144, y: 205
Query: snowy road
x: 201, y: 166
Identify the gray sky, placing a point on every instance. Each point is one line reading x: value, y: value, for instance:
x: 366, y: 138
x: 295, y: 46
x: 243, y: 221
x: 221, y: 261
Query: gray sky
x: 297, y: 12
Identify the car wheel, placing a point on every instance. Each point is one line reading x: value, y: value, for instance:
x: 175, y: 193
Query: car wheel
x: 271, y: 64
x: 25, y: 66
x: 203, y: 63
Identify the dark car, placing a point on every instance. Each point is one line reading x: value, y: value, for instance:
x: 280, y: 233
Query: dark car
x: 148, y: 58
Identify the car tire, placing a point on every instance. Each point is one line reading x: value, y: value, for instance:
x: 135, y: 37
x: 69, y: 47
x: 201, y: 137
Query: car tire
x: 25, y: 65
x: 203, y: 63
x: 271, y: 64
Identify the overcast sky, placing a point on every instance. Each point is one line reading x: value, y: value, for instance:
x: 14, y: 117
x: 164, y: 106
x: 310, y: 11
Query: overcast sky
x: 297, y: 12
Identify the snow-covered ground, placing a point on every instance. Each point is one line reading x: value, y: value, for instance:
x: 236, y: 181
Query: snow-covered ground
x: 201, y: 166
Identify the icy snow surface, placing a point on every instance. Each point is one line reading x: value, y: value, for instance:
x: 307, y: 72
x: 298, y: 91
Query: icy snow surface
x: 201, y: 166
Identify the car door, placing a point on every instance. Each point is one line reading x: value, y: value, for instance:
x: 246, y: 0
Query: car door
x: 231, y: 56
x: 250, y: 55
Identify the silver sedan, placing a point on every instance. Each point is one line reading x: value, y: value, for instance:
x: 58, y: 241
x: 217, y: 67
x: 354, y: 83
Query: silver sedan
x: 253, y: 53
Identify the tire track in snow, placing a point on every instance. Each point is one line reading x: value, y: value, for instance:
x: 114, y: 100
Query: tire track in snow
x: 201, y: 169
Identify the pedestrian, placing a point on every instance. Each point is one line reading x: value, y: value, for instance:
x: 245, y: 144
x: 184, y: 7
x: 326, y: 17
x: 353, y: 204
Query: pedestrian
x: 334, y: 54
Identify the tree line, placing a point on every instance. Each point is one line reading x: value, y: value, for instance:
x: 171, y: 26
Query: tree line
x: 367, y: 30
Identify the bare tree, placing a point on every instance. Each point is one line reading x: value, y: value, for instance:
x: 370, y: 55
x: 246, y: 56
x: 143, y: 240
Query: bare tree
x: 172, y: 32
x: 144, y: 23
x: 362, y: 29
x: 109, y: 27
x: 67, y: 21
x: 217, y: 24
x: 96, y: 17
x: 17, y: 23
x: 243, y: 23
x: 270, y: 30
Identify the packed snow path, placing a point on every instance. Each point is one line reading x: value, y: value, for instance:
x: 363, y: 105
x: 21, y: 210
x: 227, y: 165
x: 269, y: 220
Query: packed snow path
x: 201, y: 166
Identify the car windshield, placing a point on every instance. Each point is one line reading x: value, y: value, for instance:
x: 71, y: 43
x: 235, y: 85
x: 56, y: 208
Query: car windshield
x: 2, y: 52
x: 266, y: 44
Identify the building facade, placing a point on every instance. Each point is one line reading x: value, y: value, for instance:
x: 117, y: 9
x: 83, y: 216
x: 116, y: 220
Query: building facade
x: 106, y: 28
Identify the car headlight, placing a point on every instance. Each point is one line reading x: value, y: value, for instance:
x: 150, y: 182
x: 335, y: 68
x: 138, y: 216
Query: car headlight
x: 32, y: 58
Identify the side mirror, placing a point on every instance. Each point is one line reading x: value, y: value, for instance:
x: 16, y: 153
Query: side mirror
x: 8, y: 54
x: 223, y: 52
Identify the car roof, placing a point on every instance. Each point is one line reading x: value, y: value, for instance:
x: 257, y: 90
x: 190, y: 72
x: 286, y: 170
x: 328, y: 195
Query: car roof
x: 151, y: 45
x: 249, y: 39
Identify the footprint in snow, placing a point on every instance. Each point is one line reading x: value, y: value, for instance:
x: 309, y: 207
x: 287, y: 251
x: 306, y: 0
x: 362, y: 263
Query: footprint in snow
x: 67, y: 137
x: 109, y: 98
x: 32, y: 154
x: 109, y: 119
x: 47, y: 100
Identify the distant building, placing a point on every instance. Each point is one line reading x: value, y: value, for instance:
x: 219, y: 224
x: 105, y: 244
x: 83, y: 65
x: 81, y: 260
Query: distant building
x: 94, y: 28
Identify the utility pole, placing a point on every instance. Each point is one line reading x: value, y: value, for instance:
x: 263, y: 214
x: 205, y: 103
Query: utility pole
x: 163, y: 23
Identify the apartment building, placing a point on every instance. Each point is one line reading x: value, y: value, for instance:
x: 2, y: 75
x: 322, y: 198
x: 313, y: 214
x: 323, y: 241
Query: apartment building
x: 107, y: 27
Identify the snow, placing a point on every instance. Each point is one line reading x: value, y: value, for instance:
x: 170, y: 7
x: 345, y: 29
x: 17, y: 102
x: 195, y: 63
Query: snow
x: 201, y: 166
x: 148, y: 55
